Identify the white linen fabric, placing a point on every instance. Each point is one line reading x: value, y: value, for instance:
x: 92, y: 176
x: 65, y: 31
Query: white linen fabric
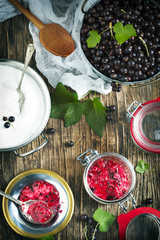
x: 72, y: 71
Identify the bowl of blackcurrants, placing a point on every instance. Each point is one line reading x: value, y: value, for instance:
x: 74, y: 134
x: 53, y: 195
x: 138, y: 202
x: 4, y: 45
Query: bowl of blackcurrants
x: 121, y: 40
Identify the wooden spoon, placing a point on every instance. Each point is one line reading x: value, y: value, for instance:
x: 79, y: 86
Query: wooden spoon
x: 52, y: 36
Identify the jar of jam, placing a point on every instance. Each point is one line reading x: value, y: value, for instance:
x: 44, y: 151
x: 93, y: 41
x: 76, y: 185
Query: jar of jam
x: 108, y: 178
x: 145, y: 124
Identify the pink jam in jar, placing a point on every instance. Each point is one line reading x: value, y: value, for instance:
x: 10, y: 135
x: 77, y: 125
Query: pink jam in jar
x: 108, y: 179
x: 47, y: 196
x: 40, y: 212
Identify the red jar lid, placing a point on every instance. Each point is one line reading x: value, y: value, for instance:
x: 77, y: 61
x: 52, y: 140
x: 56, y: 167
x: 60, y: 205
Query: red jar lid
x: 124, y: 219
x: 145, y: 126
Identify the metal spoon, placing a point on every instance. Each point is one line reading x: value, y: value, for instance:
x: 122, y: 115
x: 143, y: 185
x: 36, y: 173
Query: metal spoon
x: 24, y: 206
x: 29, y: 53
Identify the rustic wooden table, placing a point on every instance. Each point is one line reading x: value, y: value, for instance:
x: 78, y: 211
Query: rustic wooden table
x: 14, y: 37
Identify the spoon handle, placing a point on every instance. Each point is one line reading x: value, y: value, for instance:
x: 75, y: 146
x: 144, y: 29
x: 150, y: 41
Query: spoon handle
x: 28, y: 14
x: 10, y: 198
x: 29, y: 53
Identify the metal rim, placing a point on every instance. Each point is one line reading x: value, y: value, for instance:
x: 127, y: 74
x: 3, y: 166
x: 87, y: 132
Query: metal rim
x: 30, y: 172
x: 121, y: 158
x: 36, y: 77
x: 107, y: 79
x: 153, y: 217
x: 137, y: 135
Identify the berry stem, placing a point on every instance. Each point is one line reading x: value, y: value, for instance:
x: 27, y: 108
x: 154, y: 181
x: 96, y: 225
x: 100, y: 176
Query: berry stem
x: 77, y: 141
x: 123, y: 11
x: 85, y: 95
x: 104, y: 31
x: 109, y: 28
x: 144, y: 43
x: 12, y: 125
x: 95, y: 231
x: 151, y: 170
x: 85, y: 231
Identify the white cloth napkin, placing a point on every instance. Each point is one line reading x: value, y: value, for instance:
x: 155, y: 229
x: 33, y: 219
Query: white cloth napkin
x: 72, y: 71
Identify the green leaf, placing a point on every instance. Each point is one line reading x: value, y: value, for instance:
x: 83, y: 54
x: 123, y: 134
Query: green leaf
x: 142, y: 166
x: 123, y: 33
x: 95, y: 115
x: 48, y: 237
x: 93, y: 39
x: 139, y: 169
x: 65, y: 105
x: 105, y: 219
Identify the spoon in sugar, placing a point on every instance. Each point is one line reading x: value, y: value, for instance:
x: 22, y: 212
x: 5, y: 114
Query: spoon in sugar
x: 29, y: 53
x: 32, y: 210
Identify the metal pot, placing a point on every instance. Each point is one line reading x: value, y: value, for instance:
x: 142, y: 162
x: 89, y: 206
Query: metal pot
x: 86, y: 6
x: 37, y: 86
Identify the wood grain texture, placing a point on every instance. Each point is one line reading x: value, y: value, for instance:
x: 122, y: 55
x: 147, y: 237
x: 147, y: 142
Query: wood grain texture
x: 15, y: 36
x: 28, y: 14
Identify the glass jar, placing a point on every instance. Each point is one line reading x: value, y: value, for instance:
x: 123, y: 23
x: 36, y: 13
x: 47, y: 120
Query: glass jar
x: 143, y: 226
x: 140, y: 223
x: 108, y: 173
x: 145, y: 124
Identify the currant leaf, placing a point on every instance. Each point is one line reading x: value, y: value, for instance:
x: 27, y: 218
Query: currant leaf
x: 95, y: 115
x: 123, y: 33
x: 142, y: 166
x: 105, y: 219
x: 93, y: 39
x: 65, y: 105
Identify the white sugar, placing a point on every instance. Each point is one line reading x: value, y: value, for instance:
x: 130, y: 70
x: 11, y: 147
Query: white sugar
x: 27, y: 123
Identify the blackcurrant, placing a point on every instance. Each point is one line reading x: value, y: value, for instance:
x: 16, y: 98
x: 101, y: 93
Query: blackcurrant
x: 149, y: 201
x: 109, y: 117
x: 5, y: 118
x: 94, y: 230
x: 138, y: 206
x: 69, y: 144
x: 84, y: 217
x: 11, y: 119
x: 116, y: 89
x: 113, y: 84
x: 50, y: 130
x: 112, y: 108
x: 91, y: 221
x: 7, y: 125
x: 90, y: 237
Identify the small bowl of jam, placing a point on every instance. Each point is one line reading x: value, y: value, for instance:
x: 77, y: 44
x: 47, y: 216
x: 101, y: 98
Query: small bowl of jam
x: 45, y: 187
x: 109, y: 178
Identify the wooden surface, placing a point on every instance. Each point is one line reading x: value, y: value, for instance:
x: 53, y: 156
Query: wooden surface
x: 14, y: 37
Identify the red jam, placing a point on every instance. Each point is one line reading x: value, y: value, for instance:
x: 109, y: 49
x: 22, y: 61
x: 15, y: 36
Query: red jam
x: 48, y: 197
x: 40, y: 212
x: 108, y: 179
